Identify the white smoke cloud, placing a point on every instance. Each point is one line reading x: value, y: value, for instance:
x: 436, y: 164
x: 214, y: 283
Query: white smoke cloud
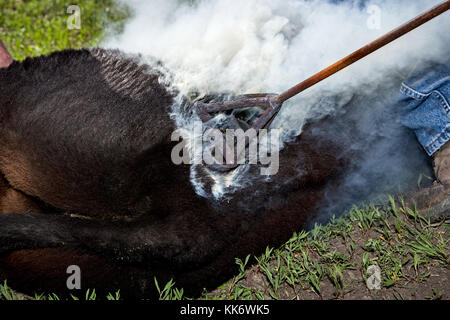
x: 269, y: 45
x: 251, y: 46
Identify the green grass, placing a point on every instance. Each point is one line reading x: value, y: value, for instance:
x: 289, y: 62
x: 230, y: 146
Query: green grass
x: 6, y: 293
x: 33, y: 27
x: 398, y: 240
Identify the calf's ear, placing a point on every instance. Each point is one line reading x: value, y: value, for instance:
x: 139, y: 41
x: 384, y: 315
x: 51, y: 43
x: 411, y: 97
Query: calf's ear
x: 5, y: 57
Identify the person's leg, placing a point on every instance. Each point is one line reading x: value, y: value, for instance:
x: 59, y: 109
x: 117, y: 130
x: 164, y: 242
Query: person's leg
x: 426, y: 110
x: 13, y: 201
x: 425, y: 106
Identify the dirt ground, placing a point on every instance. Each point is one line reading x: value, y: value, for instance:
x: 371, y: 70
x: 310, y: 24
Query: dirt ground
x: 436, y: 286
x: 412, y: 254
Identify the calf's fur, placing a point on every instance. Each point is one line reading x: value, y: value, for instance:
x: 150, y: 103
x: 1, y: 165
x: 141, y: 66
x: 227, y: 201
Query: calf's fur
x: 87, y: 179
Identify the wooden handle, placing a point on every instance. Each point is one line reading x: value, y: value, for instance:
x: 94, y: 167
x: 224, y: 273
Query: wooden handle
x: 364, y: 51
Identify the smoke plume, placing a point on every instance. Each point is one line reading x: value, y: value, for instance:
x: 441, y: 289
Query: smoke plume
x: 234, y: 46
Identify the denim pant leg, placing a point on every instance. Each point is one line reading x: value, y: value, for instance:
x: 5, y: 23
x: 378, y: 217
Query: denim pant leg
x: 425, y: 107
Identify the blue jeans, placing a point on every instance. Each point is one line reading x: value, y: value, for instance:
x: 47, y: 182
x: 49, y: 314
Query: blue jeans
x: 425, y: 106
